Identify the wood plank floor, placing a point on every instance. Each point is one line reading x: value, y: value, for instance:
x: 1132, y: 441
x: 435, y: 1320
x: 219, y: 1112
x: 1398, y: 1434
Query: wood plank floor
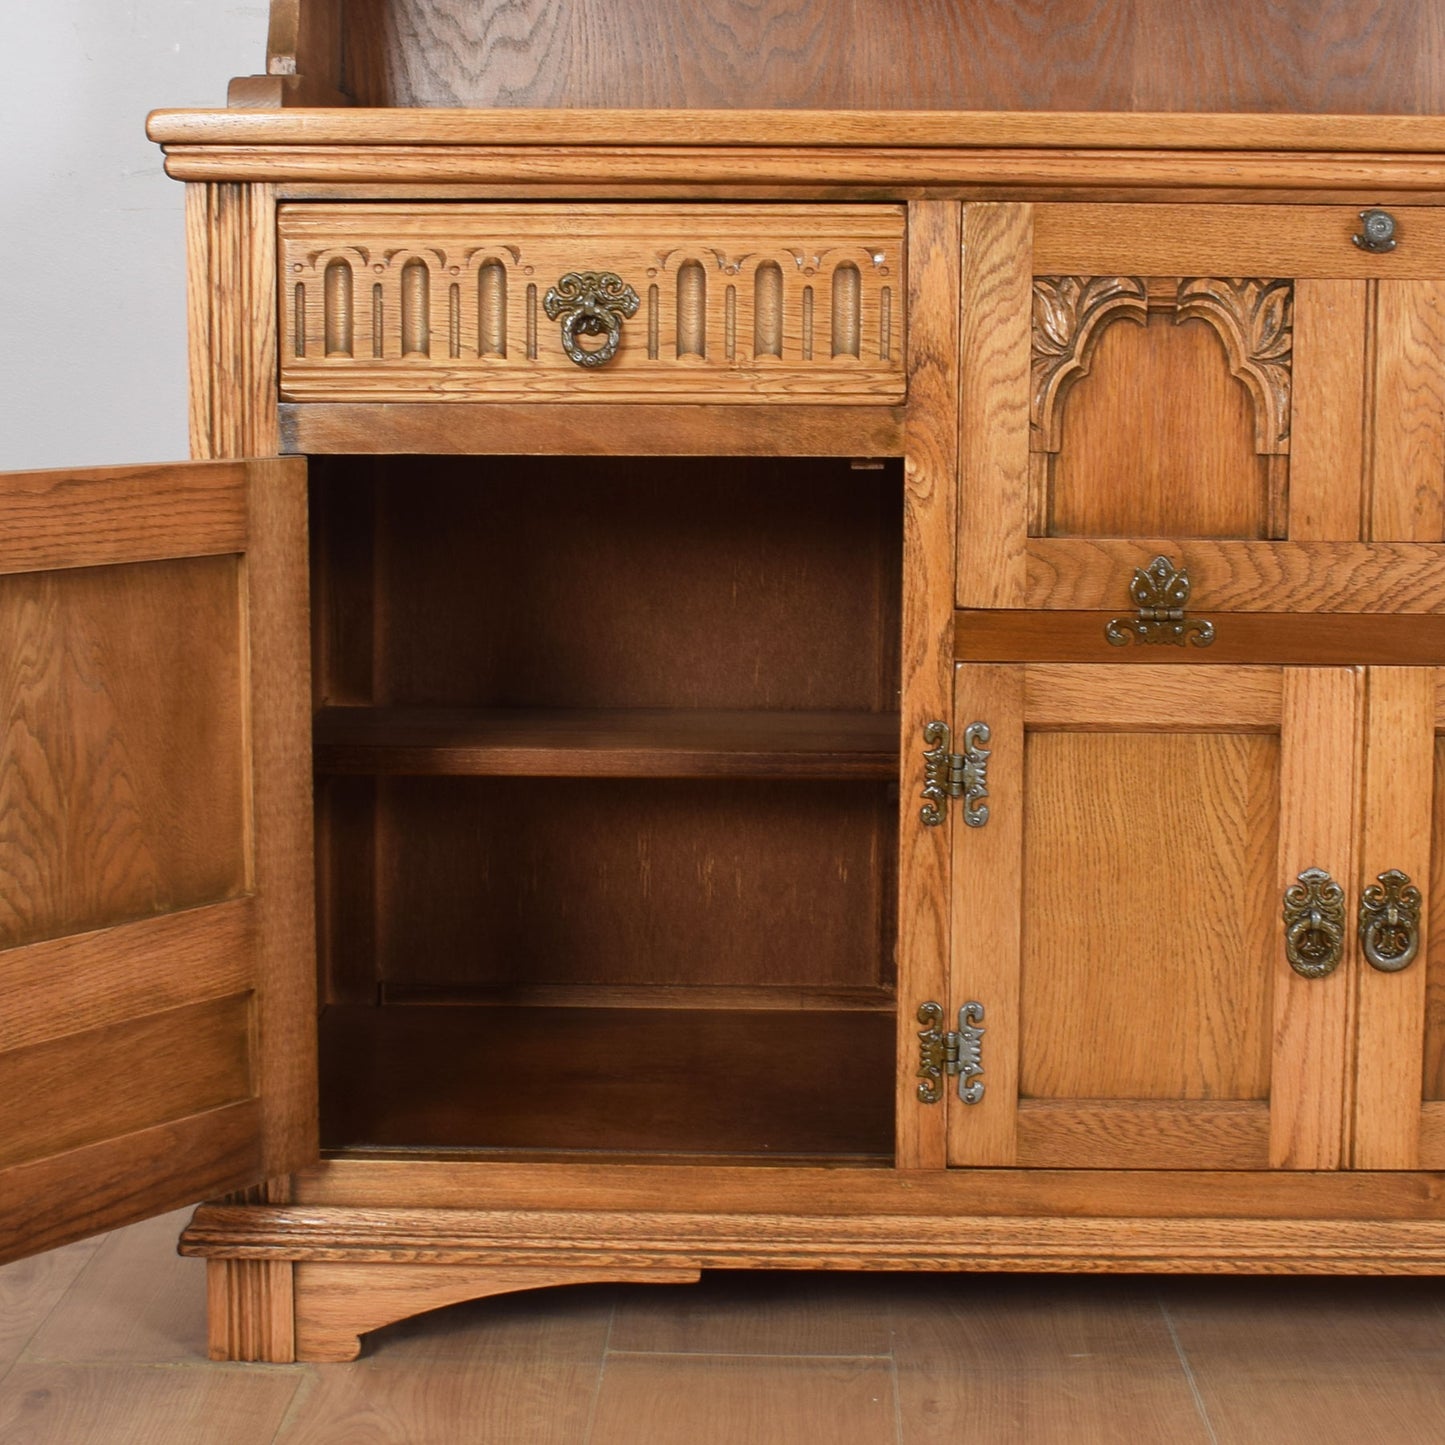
x: 103, y: 1344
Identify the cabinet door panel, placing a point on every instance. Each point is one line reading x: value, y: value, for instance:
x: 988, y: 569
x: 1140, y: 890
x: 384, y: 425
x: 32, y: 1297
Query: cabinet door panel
x: 155, y: 932
x: 1407, y: 501
x: 1201, y: 382
x: 1140, y: 1009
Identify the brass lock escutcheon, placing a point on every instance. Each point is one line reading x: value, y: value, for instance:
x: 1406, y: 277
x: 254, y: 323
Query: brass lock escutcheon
x: 591, y: 303
x: 1377, y: 231
x: 1314, y: 924
x: 1390, y: 921
x: 1160, y: 592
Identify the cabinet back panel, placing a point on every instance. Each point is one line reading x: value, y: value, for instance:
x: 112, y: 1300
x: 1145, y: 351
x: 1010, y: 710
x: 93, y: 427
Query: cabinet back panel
x: 1158, y: 441
x: 1149, y: 898
x: 122, y: 790
x: 1300, y: 55
x: 527, y: 881
x: 613, y: 582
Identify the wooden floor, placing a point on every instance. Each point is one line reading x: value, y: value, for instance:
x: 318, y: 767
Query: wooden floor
x: 102, y: 1344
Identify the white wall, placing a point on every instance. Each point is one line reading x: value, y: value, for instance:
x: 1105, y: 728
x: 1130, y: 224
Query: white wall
x: 92, y: 300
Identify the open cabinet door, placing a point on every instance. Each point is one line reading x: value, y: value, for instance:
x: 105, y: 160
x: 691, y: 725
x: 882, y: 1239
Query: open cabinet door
x: 157, y: 1039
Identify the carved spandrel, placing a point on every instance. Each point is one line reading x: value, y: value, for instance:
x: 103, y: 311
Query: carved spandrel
x: 1253, y: 317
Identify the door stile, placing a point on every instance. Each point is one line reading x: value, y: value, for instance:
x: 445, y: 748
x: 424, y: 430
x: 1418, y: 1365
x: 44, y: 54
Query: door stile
x: 1399, y: 798
x: 994, y: 475
x: 1321, y: 783
x: 988, y: 917
x: 278, y: 725
x: 929, y: 519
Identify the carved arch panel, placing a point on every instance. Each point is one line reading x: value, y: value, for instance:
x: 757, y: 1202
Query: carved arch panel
x: 1183, y: 428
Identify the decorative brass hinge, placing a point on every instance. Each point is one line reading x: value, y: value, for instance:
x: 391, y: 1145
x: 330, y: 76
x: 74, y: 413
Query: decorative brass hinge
x: 958, y: 1054
x: 1160, y: 591
x: 955, y: 775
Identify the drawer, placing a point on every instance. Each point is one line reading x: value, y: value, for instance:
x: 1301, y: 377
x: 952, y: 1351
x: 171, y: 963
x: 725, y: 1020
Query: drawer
x: 653, y: 303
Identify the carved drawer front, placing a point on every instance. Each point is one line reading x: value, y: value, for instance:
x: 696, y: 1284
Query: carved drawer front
x: 643, y: 303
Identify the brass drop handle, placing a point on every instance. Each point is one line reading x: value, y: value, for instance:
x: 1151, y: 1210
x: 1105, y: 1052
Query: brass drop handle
x: 1390, y: 921
x: 1314, y: 924
x: 591, y: 303
x: 1377, y: 231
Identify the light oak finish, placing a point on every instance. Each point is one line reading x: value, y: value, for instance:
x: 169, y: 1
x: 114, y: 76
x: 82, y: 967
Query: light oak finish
x: 335, y: 1306
x: 147, y: 777
x: 387, y: 303
x: 619, y: 676
x: 1400, y: 750
x: 930, y: 520
x: 1320, y: 789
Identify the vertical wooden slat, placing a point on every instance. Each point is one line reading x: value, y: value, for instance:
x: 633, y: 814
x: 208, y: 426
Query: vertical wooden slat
x: 930, y: 475
x: 278, y: 674
x: 232, y: 319
x: 1322, y: 739
x: 1407, y: 501
x: 994, y: 448
x: 1326, y: 463
x: 987, y: 924
x: 1399, y: 794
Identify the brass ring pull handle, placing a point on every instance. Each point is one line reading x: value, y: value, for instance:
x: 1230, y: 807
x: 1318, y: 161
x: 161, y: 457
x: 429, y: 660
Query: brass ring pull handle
x: 591, y: 303
x: 1390, y: 922
x: 1314, y: 924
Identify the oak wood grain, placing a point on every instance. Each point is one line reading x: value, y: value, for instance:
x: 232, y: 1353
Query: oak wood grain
x: 625, y: 742
x: 1390, y: 1007
x: 90, y: 980
x: 993, y: 408
x: 1143, y: 1134
x: 1118, y: 997
x: 1321, y: 780
x: 984, y: 965
x: 439, y: 1183
x: 111, y: 515
x: 1300, y: 242
x: 794, y: 1240
x: 1408, y: 415
x: 278, y: 706
x: 1241, y: 576
x: 250, y: 1310
x: 543, y: 428
x: 83, y: 1087
x: 1159, y: 438
x: 482, y: 274
x: 337, y: 1303
x: 755, y: 1082
x: 1327, y: 431
x: 52, y: 1201
x: 1012, y: 174
x: 123, y: 790
x: 855, y: 128
x: 231, y: 319
x: 926, y: 672
x: 1320, y: 639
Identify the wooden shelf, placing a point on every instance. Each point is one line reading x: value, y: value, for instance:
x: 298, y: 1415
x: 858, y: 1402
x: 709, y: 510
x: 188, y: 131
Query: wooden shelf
x: 738, y: 1082
x: 607, y: 743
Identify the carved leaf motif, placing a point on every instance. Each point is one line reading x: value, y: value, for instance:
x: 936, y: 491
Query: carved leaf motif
x: 1255, y: 319
x: 1067, y: 314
